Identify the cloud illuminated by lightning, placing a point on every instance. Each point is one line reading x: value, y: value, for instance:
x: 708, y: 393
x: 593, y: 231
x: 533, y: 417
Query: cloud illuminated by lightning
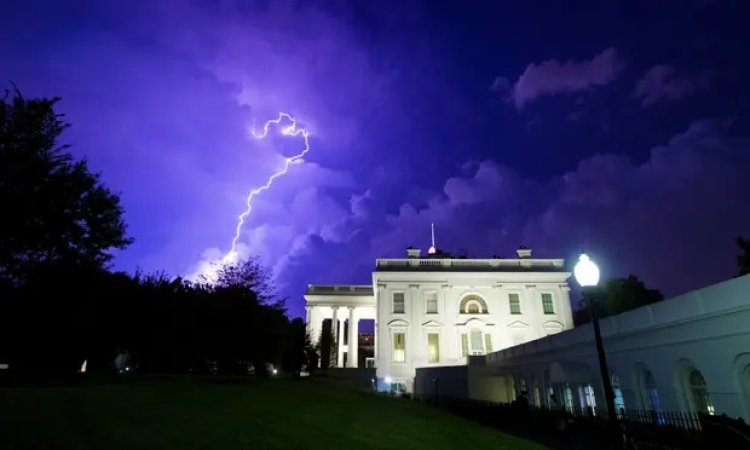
x: 288, y: 130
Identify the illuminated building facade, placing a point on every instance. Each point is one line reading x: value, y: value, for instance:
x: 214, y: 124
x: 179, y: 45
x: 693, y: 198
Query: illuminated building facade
x: 437, y: 310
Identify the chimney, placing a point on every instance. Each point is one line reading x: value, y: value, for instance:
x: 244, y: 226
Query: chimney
x: 413, y: 253
x: 523, y: 252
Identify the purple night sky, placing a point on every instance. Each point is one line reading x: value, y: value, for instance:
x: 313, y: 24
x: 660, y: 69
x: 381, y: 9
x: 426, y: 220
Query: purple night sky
x: 619, y: 127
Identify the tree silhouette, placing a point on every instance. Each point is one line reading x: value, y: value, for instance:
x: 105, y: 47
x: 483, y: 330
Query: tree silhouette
x: 616, y: 296
x: 55, y: 208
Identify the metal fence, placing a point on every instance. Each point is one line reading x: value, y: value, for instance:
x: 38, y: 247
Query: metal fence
x: 682, y: 420
x: 591, y: 429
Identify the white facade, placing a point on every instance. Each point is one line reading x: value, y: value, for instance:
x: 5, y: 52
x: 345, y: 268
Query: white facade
x: 688, y: 353
x: 437, y: 311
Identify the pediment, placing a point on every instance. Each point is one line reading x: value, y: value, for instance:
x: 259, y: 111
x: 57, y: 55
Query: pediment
x: 432, y: 324
x: 552, y: 327
x: 397, y: 323
x: 518, y: 324
x: 476, y: 322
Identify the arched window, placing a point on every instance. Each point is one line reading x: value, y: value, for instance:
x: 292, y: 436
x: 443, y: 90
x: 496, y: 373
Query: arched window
x: 699, y: 392
x: 536, y: 397
x: 646, y: 388
x: 619, y: 399
x: 473, y: 304
x: 568, y: 398
x: 742, y: 371
x: 694, y: 389
x: 745, y: 384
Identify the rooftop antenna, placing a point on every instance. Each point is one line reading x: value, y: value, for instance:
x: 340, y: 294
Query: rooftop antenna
x: 432, y: 249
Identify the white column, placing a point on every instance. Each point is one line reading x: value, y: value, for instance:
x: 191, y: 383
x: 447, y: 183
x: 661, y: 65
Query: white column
x: 353, y: 346
x: 382, y: 354
x: 334, y: 335
x: 340, y: 318
x: 375, y: 337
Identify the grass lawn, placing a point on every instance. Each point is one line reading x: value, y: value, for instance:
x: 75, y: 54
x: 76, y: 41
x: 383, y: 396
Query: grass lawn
x: 257, y: 414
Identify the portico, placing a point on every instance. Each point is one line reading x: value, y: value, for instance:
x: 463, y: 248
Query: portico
x: 344, y: 306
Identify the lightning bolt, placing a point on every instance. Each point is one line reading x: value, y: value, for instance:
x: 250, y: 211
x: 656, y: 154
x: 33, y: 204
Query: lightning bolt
x: 289, y: 130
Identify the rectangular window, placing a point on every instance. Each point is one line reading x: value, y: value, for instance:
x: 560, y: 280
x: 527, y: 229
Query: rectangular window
x: 398, y: 303
x: 549, y: 308
x: 464, y: 345
x: 399, y: 347
x: 488, y: 343
x: 477, y: 342
x: 515, y: 304
x: 433, y: 347
x: 432, y: 303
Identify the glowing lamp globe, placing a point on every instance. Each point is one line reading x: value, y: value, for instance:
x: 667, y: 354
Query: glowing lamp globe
x: 586, y: 272
x: 388, y: 380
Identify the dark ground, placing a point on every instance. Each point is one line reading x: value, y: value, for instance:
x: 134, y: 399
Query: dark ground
x: 192, y: 413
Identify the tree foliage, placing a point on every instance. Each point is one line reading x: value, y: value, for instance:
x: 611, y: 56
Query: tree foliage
x: 56, y: 209
x: 327, y: 345
x: 64, y: 315
x: 616, y: 296
x: 59, y: 303
x: 743, y: 258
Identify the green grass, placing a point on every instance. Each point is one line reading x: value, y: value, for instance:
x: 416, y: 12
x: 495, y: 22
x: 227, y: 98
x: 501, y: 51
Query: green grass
x: 262, y: 414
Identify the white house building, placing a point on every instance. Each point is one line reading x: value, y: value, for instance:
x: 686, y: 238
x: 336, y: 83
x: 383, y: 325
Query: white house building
x: 436, y: 310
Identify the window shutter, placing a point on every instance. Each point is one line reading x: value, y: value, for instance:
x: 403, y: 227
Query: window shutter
x: 488, y: 343
x: 464, y: 344
x: 515, y: 303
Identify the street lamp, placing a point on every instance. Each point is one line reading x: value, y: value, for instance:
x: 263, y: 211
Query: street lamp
x: 586, y: 272
x: 587, y: 275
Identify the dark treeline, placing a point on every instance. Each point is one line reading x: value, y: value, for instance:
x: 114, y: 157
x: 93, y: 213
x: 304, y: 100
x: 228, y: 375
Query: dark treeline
x: 62, y: 316
x: 614, y: 297
x: 60, y: 305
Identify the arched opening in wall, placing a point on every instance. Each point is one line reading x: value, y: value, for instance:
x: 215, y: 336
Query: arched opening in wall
x: 645, y: 388
x: 536, y: 397
x: 745, y: 385
x: 587, y: 398
x: 568, y: 398
x: 549, y: 392
x: 742, y: 372
x: 473, y: 304
x: 619, y: 399
x: 694, y: 388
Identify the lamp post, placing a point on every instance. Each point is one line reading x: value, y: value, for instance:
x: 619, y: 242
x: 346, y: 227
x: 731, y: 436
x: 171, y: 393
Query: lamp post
x: 587, y: 275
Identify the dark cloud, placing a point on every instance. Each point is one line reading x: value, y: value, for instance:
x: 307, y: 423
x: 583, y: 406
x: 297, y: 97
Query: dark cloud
x: 554, y: 77
x: 662, y: 83
x: 162, y: 95
x: 672, y: 214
